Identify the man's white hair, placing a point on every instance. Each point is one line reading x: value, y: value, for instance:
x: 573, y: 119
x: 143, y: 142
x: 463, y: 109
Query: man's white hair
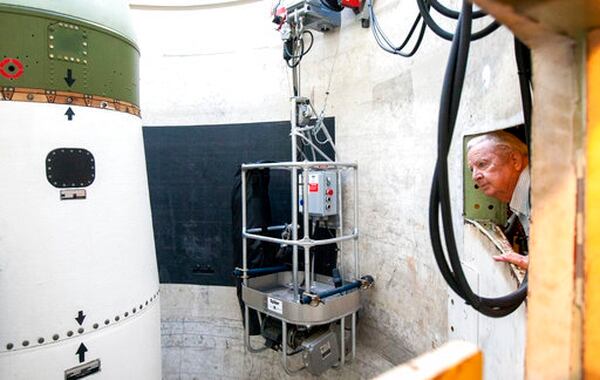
x: 502, y: 140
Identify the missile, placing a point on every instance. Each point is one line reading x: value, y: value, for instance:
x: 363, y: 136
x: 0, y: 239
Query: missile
x: 79, y: 291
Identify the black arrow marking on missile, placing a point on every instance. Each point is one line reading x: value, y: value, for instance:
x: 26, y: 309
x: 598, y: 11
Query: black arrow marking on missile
x: 70, y: 114
x: 69, y: 78
x: 80, y: 317
x: 81, y: 352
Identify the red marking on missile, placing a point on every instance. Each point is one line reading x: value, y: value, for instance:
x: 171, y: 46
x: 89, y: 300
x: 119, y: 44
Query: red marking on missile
x: 11, y: 68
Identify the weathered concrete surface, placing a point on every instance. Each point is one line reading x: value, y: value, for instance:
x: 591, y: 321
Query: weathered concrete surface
x: 223, y: 65
x: 202, y: 338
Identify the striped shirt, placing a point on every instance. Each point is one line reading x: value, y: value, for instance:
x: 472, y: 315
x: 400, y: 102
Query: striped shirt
x: 519, y: 203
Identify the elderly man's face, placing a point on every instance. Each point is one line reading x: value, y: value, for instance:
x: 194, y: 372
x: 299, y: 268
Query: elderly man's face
x: 496, y: 172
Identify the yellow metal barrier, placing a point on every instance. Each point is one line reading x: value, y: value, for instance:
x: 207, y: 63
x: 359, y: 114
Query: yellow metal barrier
x: 591, y: 338
x: 455, y: 360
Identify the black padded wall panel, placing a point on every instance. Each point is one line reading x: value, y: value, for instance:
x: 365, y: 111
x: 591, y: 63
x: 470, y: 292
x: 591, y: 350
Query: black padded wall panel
x: 191, y: 173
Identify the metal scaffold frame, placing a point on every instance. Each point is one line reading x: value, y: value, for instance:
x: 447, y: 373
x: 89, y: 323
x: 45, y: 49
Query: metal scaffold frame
x: 303, y: 298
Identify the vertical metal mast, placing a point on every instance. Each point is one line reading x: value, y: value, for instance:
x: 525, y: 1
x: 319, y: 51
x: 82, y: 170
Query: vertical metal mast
x: 294, y: 119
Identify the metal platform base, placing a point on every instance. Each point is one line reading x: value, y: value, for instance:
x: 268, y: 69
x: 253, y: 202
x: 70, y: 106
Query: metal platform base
x: 273, y: 295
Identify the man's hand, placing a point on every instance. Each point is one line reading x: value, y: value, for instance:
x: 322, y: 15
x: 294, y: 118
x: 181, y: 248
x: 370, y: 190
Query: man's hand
x: 514, y: 258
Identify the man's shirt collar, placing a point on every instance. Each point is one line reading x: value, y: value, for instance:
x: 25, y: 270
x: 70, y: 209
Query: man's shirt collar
x: 520, y: 199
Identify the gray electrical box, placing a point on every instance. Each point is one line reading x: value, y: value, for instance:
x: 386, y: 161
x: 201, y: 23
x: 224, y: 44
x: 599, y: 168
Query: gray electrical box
x: 320, y: 353
x: 316, y: 15
x: 322, y: 193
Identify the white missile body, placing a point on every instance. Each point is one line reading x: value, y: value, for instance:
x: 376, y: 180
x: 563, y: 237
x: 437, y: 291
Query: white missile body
x: 79, y: 291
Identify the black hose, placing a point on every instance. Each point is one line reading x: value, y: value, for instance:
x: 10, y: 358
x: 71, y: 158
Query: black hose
x: 436, y: 241
x: 492, y: 304
x: 452, y: 13
x: 500, y: 306
x: 440, y: 194
x: 423, y: 8
x: 523, y: 58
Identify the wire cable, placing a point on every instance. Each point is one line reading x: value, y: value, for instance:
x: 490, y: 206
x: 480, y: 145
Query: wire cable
x: 384, y: 42
x: 440, y: 204
x: 424, y: 17
x: 294, y: 57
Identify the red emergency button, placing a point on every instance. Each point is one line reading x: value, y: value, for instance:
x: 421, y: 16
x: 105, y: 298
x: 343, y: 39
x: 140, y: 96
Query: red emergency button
x: 330, y: 191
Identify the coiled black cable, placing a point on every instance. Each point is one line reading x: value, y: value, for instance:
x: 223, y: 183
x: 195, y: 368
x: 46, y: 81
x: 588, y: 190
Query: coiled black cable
x: 452, y: 13
x: 293, y: 59
x: 423, y: 17
x: 424, y: 9
x: 523, y: 58
x: 440, y: 194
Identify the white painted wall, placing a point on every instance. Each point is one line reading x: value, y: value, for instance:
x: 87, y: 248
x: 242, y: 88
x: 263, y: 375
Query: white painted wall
x: 212, y: 65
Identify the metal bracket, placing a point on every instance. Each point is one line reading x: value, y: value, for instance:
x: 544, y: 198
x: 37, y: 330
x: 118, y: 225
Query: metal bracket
x: 366, y: 282
x: 50, y: 96
x: 244, y: 276
x: 8, y: 92
x: 315, y: 300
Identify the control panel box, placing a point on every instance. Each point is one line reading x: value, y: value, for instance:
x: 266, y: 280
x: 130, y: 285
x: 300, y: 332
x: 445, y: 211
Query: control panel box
x: 322, y: 193
x: 320, y: 353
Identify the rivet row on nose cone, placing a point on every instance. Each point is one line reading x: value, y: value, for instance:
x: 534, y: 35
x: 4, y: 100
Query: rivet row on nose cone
x: 37, y: 95
x: 56, y: 337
